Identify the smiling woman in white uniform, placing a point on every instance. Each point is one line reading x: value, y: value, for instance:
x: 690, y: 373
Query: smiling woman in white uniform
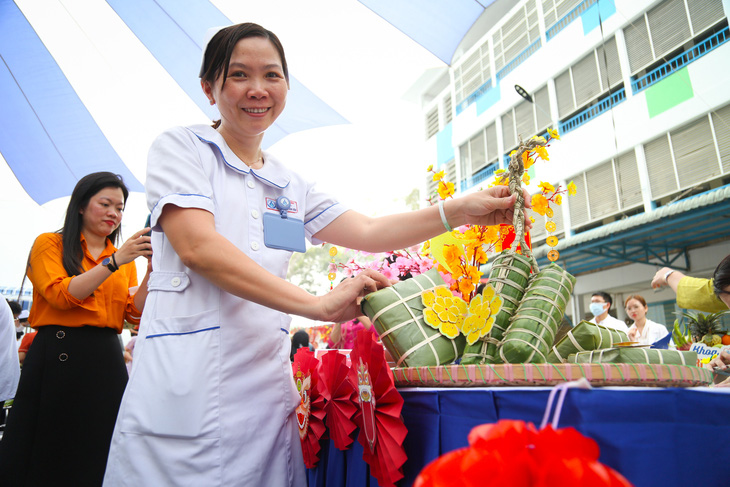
x: 211, y: 398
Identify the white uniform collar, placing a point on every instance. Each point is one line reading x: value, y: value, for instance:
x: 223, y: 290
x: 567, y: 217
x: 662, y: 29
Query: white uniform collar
x: 272, y: 173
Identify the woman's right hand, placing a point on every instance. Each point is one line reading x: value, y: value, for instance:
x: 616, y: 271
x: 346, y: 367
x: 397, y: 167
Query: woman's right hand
x: 138, y: 245
x: 341, y: 304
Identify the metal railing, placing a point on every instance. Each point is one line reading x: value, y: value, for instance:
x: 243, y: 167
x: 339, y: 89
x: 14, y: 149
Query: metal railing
x: 473, y: 97
x: 680, y: 61
x: 479, y: 177
x: 568, y: 18
x: 592, y: 112
x: 519, y: 59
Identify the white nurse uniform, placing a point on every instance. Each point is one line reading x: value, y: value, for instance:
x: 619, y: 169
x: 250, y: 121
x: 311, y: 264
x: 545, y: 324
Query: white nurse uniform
x: 210, y: 399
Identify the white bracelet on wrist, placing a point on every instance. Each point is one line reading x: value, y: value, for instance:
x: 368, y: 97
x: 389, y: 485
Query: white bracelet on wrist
x: 443, y: 216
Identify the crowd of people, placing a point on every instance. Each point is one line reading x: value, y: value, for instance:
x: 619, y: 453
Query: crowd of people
x: 211, y: 382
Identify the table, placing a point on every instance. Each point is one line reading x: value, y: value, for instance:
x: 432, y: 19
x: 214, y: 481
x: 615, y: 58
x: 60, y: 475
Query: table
x: 653, y: 436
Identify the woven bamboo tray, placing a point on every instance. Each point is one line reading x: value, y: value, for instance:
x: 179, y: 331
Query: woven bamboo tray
x: 646, y: 375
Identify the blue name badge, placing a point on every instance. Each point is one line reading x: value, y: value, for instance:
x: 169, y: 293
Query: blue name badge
x: 282, y: 232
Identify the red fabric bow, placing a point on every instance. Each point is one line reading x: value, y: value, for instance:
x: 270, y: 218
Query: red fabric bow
x: 513, y: 453
x: 310, y: 412
x: 382, y: 431
x: 338, y: 395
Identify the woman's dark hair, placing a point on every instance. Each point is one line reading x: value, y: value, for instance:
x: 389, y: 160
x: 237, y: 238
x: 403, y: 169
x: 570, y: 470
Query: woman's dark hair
x: 300, y: 339
x: 219, y: 50
x: 87, y: 187
x: 15, y: 307
x: 721, y: 277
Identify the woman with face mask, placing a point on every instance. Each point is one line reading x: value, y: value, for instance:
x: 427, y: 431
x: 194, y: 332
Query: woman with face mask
x: 211, y: 397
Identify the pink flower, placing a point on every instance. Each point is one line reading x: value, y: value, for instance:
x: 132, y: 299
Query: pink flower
x: 332, y: 267
x: 389, y: 273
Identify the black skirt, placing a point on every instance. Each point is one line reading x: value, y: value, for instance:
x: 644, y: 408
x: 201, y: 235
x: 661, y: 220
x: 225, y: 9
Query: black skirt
x: 60, y: 426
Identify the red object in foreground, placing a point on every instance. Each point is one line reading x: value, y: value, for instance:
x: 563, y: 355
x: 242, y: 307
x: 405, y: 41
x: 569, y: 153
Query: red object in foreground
x: 382, y: 431
x: 513, y: 453
x: 310, y: 412
x: 338, y: 394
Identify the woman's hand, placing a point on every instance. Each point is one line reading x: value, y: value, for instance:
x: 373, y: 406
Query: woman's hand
x: 341, y: 304
x: 138, y: 245
x: 493, y: 206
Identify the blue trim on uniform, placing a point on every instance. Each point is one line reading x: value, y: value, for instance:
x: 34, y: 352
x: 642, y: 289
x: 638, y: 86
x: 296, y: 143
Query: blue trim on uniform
x: 250, y: 171
x: 183, y: 333
x: 222, y: 155
x: 178, y: 194
x: 264, y: 179
x: 284, y: 330
x: 318, y: 214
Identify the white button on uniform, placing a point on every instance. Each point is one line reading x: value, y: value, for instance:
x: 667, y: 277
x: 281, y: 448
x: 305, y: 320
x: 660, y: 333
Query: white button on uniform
x: 250, y: 184
x: 175, y: 281
x: 255, y: 245
x: 255, y: 213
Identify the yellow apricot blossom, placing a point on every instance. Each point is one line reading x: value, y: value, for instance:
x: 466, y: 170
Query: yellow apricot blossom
x: 546, y: 187
x: 527, y: 160
x: 443, y: 311
x: 542, y: 152
x: 526, y: 179
x: 438, y: 176
x: 572, y: 189
x: 445, y: 189
x: 539, y: 203
x: 480, y: 318
x: 553, y: 134
x: 429, y: 168
x: 501, y: 181
x: 558, y: 199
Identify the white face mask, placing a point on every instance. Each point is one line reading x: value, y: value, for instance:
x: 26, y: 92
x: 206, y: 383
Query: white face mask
x: 597, y: 309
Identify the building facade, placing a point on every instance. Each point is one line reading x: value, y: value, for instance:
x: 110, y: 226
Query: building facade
x: 639, y: 92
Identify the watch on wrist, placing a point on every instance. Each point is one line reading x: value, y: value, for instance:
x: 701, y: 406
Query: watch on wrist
x: 110, y: 262
x: 666, y: 276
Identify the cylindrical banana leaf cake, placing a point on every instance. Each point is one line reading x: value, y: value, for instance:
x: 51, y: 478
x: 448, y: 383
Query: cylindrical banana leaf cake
x: 509, y: 277
x: 532, y: 329
x: 635, y: 355
x: 397, y: 314
x: 586, y: 336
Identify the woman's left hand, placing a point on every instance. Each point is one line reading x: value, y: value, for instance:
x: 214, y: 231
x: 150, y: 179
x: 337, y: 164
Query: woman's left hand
x: 493, y: 206
x: 342, y: 303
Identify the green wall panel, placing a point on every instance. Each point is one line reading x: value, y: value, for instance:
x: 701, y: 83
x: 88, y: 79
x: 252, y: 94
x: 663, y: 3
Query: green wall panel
x: 669, y: 92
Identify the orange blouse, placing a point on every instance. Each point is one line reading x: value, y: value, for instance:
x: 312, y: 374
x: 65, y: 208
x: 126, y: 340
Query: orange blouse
x: 108, y: 306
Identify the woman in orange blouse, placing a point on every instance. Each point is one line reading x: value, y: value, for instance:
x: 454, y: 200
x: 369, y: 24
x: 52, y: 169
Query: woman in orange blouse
x: 73, y: 377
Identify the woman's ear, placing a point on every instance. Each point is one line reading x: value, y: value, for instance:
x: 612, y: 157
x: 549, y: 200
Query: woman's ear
x: 208, y: 90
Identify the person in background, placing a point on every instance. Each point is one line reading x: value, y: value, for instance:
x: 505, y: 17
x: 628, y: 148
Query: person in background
x: 25, y: 344
x: 9, y: 368
x: 300, y: 339
x: 343, y: 335
x: 17, y: 310
x: 129, y: 353
x: 601, y: 303
x: 211, y: 399
x: 73, y: 376
x: 708, y: 295
x: 642, y: 330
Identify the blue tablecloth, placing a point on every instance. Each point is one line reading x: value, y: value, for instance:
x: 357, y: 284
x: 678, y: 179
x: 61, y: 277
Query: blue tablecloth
x: 653, y: 436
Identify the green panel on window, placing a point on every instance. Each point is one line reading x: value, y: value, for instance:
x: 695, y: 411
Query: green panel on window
x: 669, y: 92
